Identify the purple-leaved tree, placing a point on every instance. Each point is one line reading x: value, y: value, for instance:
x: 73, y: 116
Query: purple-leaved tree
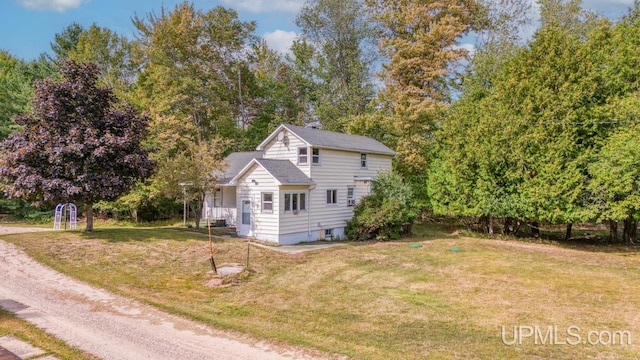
x: 80, y: 144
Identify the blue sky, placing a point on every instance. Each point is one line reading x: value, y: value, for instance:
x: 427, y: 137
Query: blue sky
x: 28, y: 26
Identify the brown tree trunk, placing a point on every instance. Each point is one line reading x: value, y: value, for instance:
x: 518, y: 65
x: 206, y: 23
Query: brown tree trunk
x: 197, y: 210
x: 567, y: 235
x: 613, y: 231
x: 506, y: 230
x: 630, y: 230
x: 484, y: 224
x: 490, y: 225
x: 535, y: 229
x: 89, y: 211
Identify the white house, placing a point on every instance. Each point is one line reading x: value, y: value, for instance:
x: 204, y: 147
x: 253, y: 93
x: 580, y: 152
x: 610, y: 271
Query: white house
x: 300, y: 185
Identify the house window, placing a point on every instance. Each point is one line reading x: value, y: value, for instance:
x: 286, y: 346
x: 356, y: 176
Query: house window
x: 351, y: 198
x: 287, y: 202
x: 328, y: 233
x: 332, y: 197
x: 303, y: 201
x: 267, y: 202
x: 217, y: 198
x: 315, y: 156
x: 363, y: 161
x: 303, y: 155
x: 295, y: 201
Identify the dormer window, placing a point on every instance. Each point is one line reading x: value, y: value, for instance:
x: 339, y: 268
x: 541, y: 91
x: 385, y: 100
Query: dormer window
x: 303, y: 155
x: 315, y: 156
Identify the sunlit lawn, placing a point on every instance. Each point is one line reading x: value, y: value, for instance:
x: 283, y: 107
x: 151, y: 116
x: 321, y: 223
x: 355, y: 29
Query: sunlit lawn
x: 374, y: 300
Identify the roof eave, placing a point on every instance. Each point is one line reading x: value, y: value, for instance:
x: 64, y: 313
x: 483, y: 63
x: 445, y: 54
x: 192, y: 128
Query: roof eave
x: 234, y: 180
x: 275, y: 133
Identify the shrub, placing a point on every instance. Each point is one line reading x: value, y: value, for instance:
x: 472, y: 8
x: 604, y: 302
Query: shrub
x: 387, y: 213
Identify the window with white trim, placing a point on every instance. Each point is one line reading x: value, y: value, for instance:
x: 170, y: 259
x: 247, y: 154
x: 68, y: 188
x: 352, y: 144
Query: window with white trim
x: 295, y: 201
x: 328, y: 233
x: 267, y: 202
x: 363, y: 161
x: 303, y: 155
x: 332, y: 197
x: 351, y: 196
x: 302, y: 204
x: 315, y: 156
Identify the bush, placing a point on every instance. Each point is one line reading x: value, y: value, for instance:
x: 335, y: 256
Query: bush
x: 387, y: 213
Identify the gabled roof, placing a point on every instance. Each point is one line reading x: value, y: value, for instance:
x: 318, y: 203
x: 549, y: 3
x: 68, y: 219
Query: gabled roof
x: 236, y: 162
x: 331, y: 140
x: 283, y: 171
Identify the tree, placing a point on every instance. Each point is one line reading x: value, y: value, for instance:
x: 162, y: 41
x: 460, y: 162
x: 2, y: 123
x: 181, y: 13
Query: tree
x: 66, y: 41
x: 342, y: 41
x: 518, y: 142
x: 79, y: 144
x: 194, y: 73
x: 420, y: 41
x: 613, y: 168
x: 16, y: 87
x: 279, y: 96
x: 387, y: 213
x: 615, y: 183
x: 113, y: 54
x: 185, y: 176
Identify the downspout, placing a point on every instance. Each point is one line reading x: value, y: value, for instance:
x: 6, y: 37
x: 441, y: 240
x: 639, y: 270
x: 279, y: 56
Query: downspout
x: 311, y: 187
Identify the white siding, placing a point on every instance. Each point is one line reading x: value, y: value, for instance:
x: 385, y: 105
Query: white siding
x: 264, y: 224
x: 289, y: 221
x: 278, y: 150
x: 337, y: 171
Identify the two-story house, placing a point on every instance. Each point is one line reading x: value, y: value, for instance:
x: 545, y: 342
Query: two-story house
x: 300, y: 185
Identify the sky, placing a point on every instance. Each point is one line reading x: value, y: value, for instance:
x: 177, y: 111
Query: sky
x: 27, y: 27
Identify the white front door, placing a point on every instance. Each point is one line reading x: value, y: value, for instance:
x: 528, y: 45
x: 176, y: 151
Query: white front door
x: 244, y: 228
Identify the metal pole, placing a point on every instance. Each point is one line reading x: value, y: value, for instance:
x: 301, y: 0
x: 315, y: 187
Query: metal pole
x: 248, y: 250
x: 184, y: 206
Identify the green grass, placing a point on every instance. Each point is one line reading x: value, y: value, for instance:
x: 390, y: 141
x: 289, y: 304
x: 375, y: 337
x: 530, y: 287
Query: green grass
x: 20, y: 329
x: 371, y: 300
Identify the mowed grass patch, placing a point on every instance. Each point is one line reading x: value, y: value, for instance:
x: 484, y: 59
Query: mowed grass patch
x: 20, y: 329
x: 373, y: 300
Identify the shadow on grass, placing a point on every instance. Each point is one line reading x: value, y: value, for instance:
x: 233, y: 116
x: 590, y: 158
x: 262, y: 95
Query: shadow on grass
x: 589, y: 238
x: 114, y: 235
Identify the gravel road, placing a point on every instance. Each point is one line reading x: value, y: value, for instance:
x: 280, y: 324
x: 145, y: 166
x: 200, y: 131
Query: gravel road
x: 110, y: 326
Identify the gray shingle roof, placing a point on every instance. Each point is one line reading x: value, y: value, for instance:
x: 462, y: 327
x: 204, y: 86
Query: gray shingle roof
x: 341, y: 141
x: 237, y: 161
x: 285, y: 172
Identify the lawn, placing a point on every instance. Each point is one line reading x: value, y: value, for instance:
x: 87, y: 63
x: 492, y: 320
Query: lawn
x: 376, y: 300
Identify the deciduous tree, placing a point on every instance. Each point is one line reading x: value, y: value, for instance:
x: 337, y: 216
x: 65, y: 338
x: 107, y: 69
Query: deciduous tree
x: 342, y: 40
x: 78, y: 145
x: 193, y: 172
x: 420, y: 40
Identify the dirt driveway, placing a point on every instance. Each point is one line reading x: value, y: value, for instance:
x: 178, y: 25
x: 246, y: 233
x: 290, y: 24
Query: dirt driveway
x: 110, y: 326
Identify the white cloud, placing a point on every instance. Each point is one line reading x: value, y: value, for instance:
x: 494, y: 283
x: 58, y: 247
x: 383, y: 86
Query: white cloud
x: 51, y: 5
x: 259, y: 6
x: 469, y: 47
x: 280, y: 40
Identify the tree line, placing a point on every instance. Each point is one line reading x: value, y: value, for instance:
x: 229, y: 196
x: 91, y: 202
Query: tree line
x: 520, y: 131
x: 547, y: 131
